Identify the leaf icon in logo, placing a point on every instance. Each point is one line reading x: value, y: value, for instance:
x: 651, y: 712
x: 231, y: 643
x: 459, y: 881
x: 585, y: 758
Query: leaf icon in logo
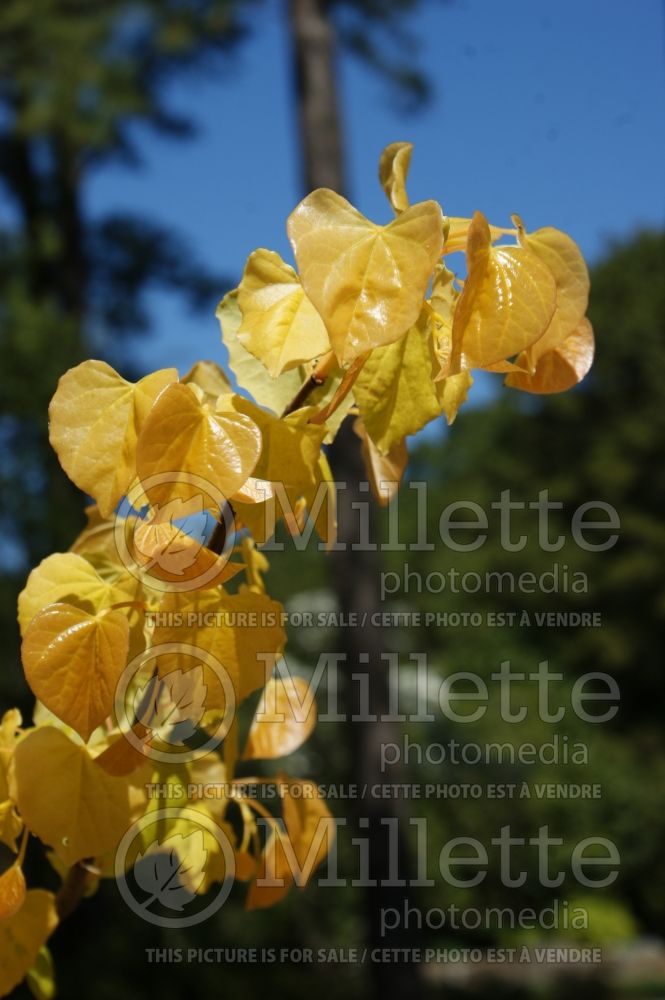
x: 172, y: 706
x: 171, y: 536
x: 173, y: 871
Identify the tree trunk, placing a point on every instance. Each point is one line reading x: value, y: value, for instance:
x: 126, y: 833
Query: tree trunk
x: 354, y: 573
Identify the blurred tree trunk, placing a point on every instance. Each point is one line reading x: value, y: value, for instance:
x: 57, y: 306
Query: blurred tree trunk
x: 354, y: 574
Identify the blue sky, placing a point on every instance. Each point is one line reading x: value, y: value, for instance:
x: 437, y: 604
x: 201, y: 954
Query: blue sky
x: 554, y: 111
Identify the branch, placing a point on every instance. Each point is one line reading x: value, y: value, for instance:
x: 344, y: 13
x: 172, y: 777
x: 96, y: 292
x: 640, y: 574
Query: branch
x: 72, y: 890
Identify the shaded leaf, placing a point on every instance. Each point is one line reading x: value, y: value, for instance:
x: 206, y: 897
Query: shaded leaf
x: 277, y: 728
x: 393, y: 170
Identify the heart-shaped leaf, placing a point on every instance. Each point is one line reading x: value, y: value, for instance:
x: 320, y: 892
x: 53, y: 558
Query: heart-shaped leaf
x: 95, y: 418
x: 280, y: 326
x: 73, y: 661
x: 366, y: 281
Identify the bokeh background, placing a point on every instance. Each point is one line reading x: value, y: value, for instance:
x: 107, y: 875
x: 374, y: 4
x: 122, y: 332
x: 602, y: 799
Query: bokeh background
x: 145, y: 149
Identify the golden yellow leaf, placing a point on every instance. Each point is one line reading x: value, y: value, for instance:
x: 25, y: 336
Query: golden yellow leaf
x: 277, y: 728
x: 280, y: 326
x: 121, y: 757
x: 183, y: 437
x: 393, y: 170
x: 66, y: 577
x: 23, y: 935
x: 209, y: 377
x: 97, y: 538
x: 10, y: 824
x: 366, y: 281
x: 561, y: 368
x: 95, y: 418
x: 73, y: 661
x: 243, y: 631
x: 10, y: 733
x: 65, y: 799
x: 394, y: 389
x: 290, y: 446
x: 384, y: 472
x: 457, y: 233
x: 292, y: 855
x: 507, y: 302
x: 562, y: 256
x: 453, y: 392
x: 164, y: 549
x: 12, y: 891
x: 252, y: 376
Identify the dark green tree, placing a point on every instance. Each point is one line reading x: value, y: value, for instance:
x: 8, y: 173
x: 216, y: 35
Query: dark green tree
x: 76, y: 78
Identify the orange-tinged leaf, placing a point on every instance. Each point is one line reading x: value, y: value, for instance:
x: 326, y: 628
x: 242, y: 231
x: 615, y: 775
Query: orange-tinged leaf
x: 95, y: 418
x: 73, y: 660
x: 12, y: 891
x: 280, y: 326
x: 366, y: 281
x: 291, y: 855
x: 184, y: 437
x: 65, y: 799
x: 23, y: 935
x: 384, y: 472
x: 165, y: 550
x: 507, y: 302
x: 561, y: 368
x: 562, y: 256
x: 393, y: 170
x: 278, y: 727
x: 122, y: 757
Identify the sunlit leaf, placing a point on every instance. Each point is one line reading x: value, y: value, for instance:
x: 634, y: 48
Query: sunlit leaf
x: 184, y: 437
x: 210, y: 378
x: 452, y: 392
x: 561, y: 368
x: 95, y: 418
x: 367, y: 282
x: 280, y: 326
x: 73, y: 661
x: 507, y: 302
x: 252, y: 376
x: 562, y: 256
x: 394, y: 390
x: 243, y: 632
x: 66, y: 577
x: 65, y: 799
